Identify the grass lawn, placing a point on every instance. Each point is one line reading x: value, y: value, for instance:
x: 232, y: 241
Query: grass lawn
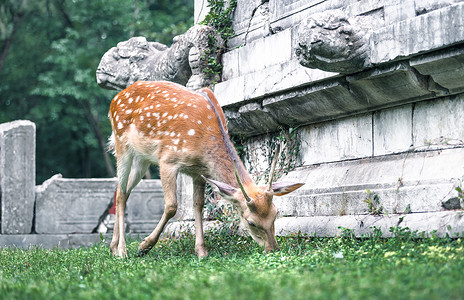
x: 403, y: 267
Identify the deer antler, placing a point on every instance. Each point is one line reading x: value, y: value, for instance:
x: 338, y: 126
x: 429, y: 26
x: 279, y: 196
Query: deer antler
x: 273, y: 166
x: 248, y: 199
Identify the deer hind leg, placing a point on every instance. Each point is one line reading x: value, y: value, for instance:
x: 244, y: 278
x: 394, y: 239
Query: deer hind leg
x: 118, y: 243
x: 130, y: 172
x: 168, y: 174
x: 198, y: 202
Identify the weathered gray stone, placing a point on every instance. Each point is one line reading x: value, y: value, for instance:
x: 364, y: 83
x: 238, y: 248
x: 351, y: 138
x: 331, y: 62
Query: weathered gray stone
x: 263, y: 53
x: 445, y: 67
x: 432, y: 31
x: 313, y: 104
x: 274, y: 79
x: 72, y: 205
x: 390, y: 85
x: 285, y: 14
x: 440, y: 223
x: 421, y: 181
x: 75, y: 205
x: 392, y: 130
x: 184, y: 197
x: 183, y: 62
x: 250, y: 21
x: 17, y: 176
x: 333, y: 42
x: 342, y: 139
x: 439, y: 123
x: 251, y: 119
x: 50, y: 241
x: 398, y: 10
x: 145, y: 206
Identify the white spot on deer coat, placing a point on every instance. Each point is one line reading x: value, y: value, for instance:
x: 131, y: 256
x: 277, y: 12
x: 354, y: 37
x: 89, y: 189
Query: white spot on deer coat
x: 191, y: 132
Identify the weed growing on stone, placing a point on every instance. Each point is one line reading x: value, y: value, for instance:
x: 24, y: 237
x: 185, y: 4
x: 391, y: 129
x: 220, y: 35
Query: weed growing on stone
x: 373, y: 203
x: 406, y: 266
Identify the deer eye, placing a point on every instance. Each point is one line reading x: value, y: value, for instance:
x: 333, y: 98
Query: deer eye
x: 251, y: 223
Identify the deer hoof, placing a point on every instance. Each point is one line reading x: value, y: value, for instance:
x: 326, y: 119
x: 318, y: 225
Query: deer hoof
x: 142, y: 252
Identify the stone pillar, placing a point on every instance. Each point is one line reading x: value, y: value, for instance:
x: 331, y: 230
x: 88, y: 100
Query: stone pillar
x: 17, y: 176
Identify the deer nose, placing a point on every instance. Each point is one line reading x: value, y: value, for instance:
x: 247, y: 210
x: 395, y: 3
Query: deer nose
x: 271, y: 245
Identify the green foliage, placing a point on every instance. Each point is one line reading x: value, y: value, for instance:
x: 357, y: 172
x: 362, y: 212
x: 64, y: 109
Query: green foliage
x: 219, y: 17
x: 49, y: 72
x: 372, y: 267
x: 373, y: 203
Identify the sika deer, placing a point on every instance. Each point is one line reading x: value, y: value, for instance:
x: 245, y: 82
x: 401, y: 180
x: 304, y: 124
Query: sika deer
x: 184, y: 131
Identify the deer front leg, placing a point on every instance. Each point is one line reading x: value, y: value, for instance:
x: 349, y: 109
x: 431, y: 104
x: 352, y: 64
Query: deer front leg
x: 198, y: 201
x: 168, y: 174
x: 118, y: 243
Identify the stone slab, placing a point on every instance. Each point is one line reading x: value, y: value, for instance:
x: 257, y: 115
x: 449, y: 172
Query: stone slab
x: 446, y: 67
x: 263, y: 53
x: 341, y: 139
x: 76, y: 205
x: 274, y: 79
x: 440, y: 224
x: 439, y: 123
x: 390, y: 85
x: 50, y: 241
x: 285, y: 14
x: 393, y: 130
x: 313, y: 103
x: 145, y: 206
x: 17, y: 176
x: 432, y: 31
x: 421, y: 181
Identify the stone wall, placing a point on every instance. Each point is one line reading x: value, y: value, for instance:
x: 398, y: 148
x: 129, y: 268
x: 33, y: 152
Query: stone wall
x: 375, y: 92
x: 62, y: 212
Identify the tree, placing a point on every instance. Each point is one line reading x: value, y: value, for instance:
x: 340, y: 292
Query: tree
x: 49, y: 74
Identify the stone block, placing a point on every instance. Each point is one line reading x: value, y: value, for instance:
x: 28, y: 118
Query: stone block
x: 441, y: 223
x: 273, y: 79
x: 445, y: 67
x: 439, y: 123
x: 390, y: 85
x: 428, y: 32
x: 75, y: 205
x: 421, y: 181
x: 393, y: 130
x: 314, y: 103
x: 249, y: 22
x: 251, y: 119
x: 285, y: 14
x: 230, y: 92
x: 265, y: 52
x: 51, y: 241
x: 230, y: 67
x: 145, y: 206
x: 72, y: 205
x: 17, y: 176
x: 277, y: 78
x: 341, y: 139
x: 397, y: 11
x: 184, y: 197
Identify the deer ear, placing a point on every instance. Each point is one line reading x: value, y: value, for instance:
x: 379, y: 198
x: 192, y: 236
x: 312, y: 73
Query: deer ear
x: 224, y: 189
x: 283, y: 188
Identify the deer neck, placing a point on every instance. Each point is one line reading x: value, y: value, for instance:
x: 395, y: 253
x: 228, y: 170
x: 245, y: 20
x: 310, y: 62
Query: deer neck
x: 221, y: 168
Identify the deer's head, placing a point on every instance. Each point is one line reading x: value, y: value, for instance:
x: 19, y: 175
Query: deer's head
x: 255, y: 206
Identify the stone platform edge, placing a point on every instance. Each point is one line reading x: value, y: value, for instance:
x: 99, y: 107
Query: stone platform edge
x: 440, y: 224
